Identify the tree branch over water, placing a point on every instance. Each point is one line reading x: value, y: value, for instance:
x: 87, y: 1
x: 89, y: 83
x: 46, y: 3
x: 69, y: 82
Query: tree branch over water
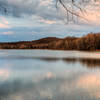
x: 75, y: 8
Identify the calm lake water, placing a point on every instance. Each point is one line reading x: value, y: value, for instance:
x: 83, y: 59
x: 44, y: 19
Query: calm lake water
x: 49, y: 75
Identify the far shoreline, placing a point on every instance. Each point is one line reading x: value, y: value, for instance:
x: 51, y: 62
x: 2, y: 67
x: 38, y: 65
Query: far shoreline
x: 90, y: 42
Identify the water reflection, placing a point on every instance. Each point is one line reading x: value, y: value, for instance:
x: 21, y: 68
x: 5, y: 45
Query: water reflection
x: 90, y: 63
x: 92, y: 84
x: 37, y: 78
x: 86, y: 87
x: 4, y: 74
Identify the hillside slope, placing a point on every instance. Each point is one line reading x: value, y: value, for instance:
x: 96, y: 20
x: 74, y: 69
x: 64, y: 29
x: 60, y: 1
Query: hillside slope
x: 88, y: 42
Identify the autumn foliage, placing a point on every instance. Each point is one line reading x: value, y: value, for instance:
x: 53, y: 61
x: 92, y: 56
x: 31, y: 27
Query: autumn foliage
x: 88, y: 42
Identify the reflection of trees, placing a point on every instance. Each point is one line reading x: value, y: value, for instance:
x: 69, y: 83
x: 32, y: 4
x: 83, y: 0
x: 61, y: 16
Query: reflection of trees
x: 90, y: 63
x: 15, y: 86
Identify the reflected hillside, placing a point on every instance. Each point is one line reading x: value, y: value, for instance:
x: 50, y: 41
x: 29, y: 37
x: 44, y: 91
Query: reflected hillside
x: 90, y: 63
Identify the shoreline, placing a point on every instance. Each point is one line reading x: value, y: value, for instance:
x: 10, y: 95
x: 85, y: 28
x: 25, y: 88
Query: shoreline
x: 92, y: 51
x: 90, y: 42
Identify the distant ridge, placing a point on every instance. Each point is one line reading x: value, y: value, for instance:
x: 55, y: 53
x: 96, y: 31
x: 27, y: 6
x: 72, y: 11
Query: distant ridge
x: 88, y: 42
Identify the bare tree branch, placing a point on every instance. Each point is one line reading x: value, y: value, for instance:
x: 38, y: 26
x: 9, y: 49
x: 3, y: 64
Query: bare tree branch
x: 74, y: 11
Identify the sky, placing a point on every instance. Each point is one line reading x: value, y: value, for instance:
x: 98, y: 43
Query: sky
x: 28, y: 20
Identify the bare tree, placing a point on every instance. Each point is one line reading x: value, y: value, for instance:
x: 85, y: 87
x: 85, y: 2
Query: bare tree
x: 74, y: 8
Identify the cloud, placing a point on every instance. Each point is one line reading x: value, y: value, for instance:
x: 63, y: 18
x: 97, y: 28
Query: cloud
x: 92, y: 13
x: 4, y: 26
x: 45, y: 9
x: 47, y: 21
x: 8, y: 33
x: 4, y: 23
x: 4, y: 20
x: 45, y: 2
x: 35, y: 19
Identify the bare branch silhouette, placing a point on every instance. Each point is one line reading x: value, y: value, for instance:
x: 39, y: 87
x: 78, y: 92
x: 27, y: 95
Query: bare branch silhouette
x: 75, y: 8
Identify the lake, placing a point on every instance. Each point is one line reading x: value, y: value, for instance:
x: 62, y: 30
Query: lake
x: 49, y: 75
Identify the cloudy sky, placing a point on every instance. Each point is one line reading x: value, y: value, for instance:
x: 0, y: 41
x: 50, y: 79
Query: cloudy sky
x: 35, y: 19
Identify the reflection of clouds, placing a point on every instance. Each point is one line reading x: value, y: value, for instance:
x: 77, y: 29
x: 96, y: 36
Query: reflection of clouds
x: 5, y: 71
x: 66, y: 87
x: 45, y: 75
x: 46, y: 93
x: 50, y: 75
x: 19, y: 90
x: 4, y: 74
x: 50, y: 89
x: 90, y: 83
x: 45, y: 79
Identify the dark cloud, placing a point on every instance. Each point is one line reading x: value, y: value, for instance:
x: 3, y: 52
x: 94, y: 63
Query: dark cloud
x: 42, y: 8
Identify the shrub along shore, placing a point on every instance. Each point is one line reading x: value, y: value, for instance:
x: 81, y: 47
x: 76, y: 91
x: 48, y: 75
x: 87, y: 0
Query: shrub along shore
x: 90, y: 42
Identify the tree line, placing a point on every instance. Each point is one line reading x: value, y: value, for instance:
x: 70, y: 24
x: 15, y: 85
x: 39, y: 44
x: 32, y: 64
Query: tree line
x: 89, y: 42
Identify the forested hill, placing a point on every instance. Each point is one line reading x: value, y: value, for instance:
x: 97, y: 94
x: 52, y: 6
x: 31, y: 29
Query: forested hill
x: 88, y: 42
